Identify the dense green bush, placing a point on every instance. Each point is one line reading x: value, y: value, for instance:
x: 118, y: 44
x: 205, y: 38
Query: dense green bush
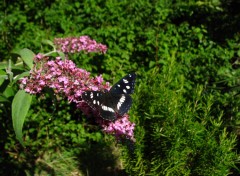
x: 186, y: 103
x: 177, y: 136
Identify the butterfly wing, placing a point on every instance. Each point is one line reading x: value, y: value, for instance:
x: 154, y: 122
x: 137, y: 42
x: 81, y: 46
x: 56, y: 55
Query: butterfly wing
x: 93, y: 98
x: 108, y: 105
x: 114, y: 105
x: 124, y: 85
x: 115, y: 102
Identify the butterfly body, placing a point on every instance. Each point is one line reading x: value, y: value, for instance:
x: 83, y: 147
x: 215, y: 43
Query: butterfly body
x: 115, y: 102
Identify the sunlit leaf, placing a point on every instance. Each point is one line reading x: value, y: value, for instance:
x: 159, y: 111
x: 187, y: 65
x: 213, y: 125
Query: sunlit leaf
x: 27, y: 56
x: 20, y: 106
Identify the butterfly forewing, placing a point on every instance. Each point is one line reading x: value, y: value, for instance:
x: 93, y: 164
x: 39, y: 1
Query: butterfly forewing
x: 124, y: 85
x: 93, y: 98
x: 124, y: 103
x: 115, y: 102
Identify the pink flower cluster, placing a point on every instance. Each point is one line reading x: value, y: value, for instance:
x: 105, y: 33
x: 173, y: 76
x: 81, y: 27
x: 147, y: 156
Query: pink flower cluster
x: 121, y: 127
x: 67, y: 80
x: 75, y: 45
x: 61, y: 75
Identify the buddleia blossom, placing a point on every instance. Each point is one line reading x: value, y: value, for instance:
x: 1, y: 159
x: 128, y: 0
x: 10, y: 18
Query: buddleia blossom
x: 62, y: 76
x: 77, y: 44
x: 69, y: 81
x: 121, y: 127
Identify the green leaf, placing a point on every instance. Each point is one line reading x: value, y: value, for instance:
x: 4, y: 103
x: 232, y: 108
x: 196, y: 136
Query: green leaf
x: 48, y: 42
x: 4, y: 66
x: 238, y: 53
x: 152, y: 64
x: 24, y: 74
x: 4, y: 99
x: 9, y: 91
x: 3, y: 76
x: 20, y: 106
x: 62, y: 55
x: 27, y: 56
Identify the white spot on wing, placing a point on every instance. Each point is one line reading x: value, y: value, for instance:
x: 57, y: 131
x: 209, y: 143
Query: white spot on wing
x: 94, y: 101
x: 124, y: 90
x: 121, y: 101
x: 91, y: 95
x: 105, y: 108
x: 128, y: 87
x: 125, y: 81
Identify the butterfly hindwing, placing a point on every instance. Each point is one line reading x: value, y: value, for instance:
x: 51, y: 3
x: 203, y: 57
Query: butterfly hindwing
x: 120, y: 103
x: 115, y: 102
x: 110, y: 106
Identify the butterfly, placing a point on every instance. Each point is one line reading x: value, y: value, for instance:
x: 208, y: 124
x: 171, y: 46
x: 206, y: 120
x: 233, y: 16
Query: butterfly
x: 115, y: 102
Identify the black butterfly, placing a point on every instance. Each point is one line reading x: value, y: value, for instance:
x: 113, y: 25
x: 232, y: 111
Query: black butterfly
x: 116, y: 101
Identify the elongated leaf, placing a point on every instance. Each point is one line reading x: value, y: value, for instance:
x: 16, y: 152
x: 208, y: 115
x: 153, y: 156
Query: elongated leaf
x: 48, y: 42
x: 3, y: 66
x: 27, y: 56
x: 3, y: 76
x: 20, y: 106
x: 62, y: 55
x: 9, y: 91
x: 3, y: 99
x: 24, y: 74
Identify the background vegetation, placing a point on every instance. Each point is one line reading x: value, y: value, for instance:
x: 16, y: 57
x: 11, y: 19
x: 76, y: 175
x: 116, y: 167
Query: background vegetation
x: 186, y: 101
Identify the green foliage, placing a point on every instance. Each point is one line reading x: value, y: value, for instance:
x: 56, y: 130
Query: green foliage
x: 54, y: 135
x: 21, y: 101
x: 176, y: 136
